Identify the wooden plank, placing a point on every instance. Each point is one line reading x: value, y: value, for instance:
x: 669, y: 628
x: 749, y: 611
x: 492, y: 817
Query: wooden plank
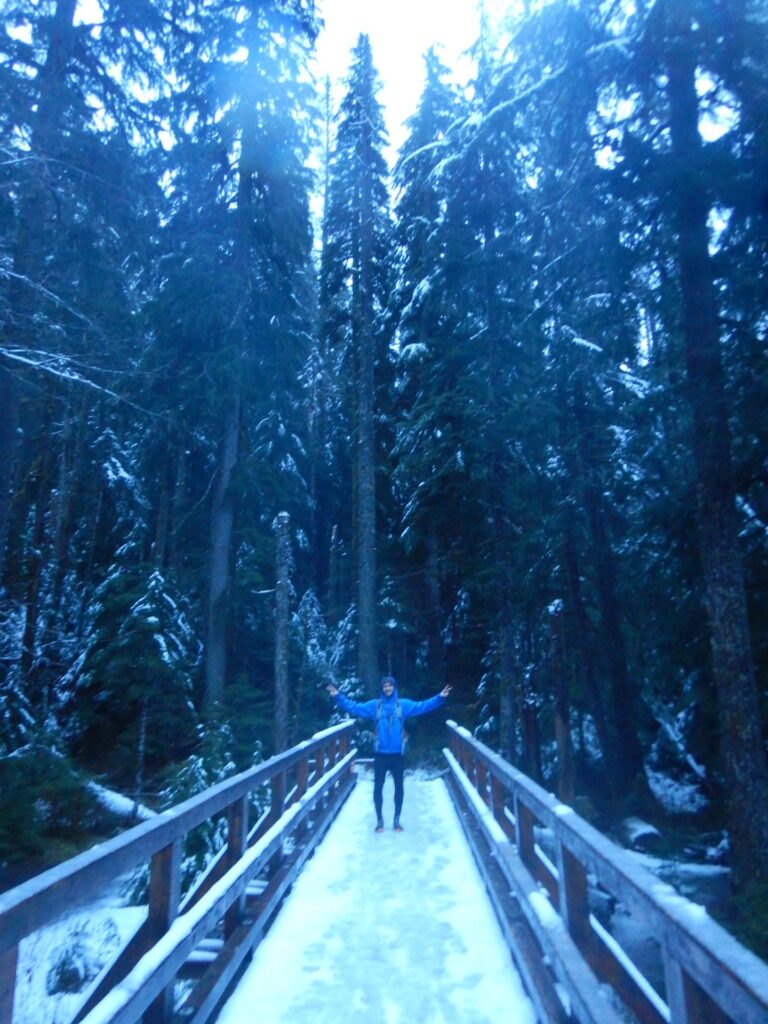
x: 237, y: 844
x: 688, y: 1003
x: 127, y: 959
x: 574, y: 902
x: 302, y: 780
x: 164, y: 892
x: 8, y: 963
x: 499, y: 809
x: 525, y: 837
x: 277, y: 806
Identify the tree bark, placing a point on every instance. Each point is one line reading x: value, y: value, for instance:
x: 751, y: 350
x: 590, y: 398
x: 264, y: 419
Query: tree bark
x: 34, y: 571
x: 9, y: 419
x: 627, y: 772
x: 177, y: 505
x: 30, y: 242
x: 366, y: 473
x: 581, y: 642
x: 565, y: 775
x: 743, y: 753
x: 282, y: 624
x: 508, y: 673
x: 220, y: 566
x: 436, y: 647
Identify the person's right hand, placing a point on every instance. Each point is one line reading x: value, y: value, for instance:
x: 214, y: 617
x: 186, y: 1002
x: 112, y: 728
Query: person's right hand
x: 331, y: 689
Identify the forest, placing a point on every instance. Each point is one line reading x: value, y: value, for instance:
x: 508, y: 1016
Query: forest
x: 274, y: 414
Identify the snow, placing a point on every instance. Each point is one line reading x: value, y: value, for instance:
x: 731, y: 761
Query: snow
x: 385, y: 929
x: 492, y: 826
x: 90, y: 939
x: 117, y: 804
x: 639, y: 832
x: 545, y: 912
x: 676, y: 797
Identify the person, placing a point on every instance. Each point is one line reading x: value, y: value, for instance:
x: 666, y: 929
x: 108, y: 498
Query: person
x: 388, y: 711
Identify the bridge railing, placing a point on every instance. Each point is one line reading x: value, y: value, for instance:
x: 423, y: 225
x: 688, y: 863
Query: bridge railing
x: 307, y: 785
x: 709, y: 977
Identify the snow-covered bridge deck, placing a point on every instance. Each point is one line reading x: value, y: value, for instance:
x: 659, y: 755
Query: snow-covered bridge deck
x: 386, y: 929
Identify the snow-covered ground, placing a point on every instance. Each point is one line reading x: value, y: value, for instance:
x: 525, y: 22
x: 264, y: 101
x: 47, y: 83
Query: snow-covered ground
x: 80, y: 945
x: 385, y: 929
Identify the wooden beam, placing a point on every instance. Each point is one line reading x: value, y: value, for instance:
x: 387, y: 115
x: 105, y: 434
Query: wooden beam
x: 8, y: 963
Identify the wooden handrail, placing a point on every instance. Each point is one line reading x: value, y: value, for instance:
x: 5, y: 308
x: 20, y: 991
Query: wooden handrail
x: 710, y: 976
x: 46, y: 897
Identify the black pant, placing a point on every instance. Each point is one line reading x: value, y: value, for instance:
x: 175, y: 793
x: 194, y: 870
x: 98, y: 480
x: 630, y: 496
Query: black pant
x: 394, y: 764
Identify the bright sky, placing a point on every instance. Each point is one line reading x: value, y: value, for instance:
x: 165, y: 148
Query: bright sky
x: 385, y: 929
x: 400, y: 32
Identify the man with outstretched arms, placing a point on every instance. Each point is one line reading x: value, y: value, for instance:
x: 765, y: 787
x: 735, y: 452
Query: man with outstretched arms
x: 388, y: 711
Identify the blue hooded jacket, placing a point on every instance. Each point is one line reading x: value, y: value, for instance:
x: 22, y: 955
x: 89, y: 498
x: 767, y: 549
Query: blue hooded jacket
x: 389, y: 722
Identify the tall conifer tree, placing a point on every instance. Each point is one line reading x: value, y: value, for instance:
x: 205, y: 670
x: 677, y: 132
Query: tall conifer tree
x: 354, y: 273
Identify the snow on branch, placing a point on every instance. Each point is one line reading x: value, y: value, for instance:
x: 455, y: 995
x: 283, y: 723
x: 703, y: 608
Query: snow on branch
x: 620, y: 43
x: 59, y: 366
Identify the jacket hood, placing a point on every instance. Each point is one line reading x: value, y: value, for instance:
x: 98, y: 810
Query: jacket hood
x: 393, y: 681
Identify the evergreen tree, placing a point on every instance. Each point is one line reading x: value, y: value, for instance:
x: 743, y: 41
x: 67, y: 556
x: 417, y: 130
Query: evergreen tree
x: 234, y: 298
x: 354, y: 280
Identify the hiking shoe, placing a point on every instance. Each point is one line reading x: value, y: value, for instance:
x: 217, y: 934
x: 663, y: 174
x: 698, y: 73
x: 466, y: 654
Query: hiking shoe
x: 379, y: 826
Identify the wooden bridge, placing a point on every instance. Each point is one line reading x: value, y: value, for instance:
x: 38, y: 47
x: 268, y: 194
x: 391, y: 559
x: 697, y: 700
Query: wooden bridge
x: 545, y: 869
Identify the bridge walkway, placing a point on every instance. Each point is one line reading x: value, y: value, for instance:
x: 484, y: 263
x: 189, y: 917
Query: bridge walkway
x: 386, y: 928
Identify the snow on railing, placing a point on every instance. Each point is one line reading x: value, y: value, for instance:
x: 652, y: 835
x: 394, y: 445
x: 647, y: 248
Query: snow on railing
x: 709, y: 977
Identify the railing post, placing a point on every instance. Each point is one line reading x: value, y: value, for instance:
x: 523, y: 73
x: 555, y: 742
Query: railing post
x: 481, y: 776
x: 319, y: 762
x: 688, y: 1003
x: 525, y: 837
x: 574, y: 896
x: 322, y: 754
x: 302, y: 780
x: 498, y: 807
x: 164, y: 892
x: 276, y: 809
x: 237, y: 843
x: 8, y: 961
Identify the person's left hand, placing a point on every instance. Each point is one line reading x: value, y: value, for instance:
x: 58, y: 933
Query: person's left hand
x: 445, y: 691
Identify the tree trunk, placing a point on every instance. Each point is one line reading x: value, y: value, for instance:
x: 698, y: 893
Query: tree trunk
x: 744, y: 759
x: 627, y: 772
x: 9, y: 418
x: 141, y: 750
x: 282, y: 624
x: 366, y: 471
x: 436, y: 647
x: 508, y: 673
x: 581, y: 643
x: 36, y: 559
x: 220, y: 565
x: 30, y: 243
x: 565, y: 775
x: 177, y: 506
